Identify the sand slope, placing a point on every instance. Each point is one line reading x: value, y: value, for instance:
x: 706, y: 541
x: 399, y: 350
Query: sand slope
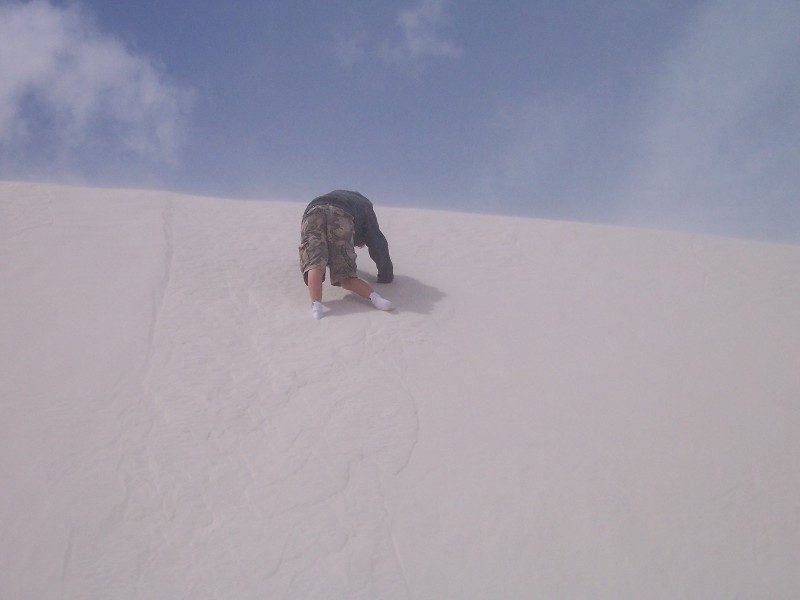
x: 555, y: 410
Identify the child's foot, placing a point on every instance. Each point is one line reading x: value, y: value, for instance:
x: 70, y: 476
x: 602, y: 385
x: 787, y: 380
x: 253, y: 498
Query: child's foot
x: 316, y: 310
x: 379, y: 302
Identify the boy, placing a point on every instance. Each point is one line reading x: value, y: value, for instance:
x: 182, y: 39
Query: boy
x: 332, y: 225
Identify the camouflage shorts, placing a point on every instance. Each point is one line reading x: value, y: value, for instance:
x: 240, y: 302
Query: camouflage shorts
x: 326, y: 240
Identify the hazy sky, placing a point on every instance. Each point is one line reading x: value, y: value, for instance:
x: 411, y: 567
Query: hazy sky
x: 674, y: 114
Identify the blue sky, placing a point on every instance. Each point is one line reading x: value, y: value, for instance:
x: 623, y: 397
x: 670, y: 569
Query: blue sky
x: 670, y: 114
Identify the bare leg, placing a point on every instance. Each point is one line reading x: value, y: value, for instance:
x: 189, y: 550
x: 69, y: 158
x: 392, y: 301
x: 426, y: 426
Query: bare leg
x: 363, y: 289
x: 315, y: 284
x: 356, y: 285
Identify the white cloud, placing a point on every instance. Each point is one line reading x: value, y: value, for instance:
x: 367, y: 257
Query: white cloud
x: 68, y: 89
x: 416, y: 34
x: 720, y: 145
x: 350, y: 42
x: 711, y: 142
x: 420, y: 31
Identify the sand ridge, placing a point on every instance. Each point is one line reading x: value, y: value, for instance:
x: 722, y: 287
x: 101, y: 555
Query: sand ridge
x: 553, y: 410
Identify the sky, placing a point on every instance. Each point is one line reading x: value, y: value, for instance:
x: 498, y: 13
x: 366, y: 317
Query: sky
x: 674, y: 114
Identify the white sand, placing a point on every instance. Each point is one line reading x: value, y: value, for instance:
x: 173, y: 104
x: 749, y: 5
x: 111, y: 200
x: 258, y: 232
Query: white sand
x: 555, y: 410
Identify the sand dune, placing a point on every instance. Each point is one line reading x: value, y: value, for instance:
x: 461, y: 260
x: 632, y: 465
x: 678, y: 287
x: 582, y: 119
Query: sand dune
x: 554, y: 410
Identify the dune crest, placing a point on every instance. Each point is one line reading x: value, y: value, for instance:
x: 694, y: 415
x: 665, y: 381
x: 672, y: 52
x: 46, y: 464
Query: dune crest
x: 553, y: 410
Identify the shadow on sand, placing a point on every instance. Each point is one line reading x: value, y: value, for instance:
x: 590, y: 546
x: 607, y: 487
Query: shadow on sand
x: 406, y: 293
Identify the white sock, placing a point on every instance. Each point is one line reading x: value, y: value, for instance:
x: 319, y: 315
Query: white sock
x: 379, y: 302
x: 316, y: 310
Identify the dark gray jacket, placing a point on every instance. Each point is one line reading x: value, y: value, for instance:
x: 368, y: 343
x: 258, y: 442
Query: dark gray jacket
x: 366, y: 227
